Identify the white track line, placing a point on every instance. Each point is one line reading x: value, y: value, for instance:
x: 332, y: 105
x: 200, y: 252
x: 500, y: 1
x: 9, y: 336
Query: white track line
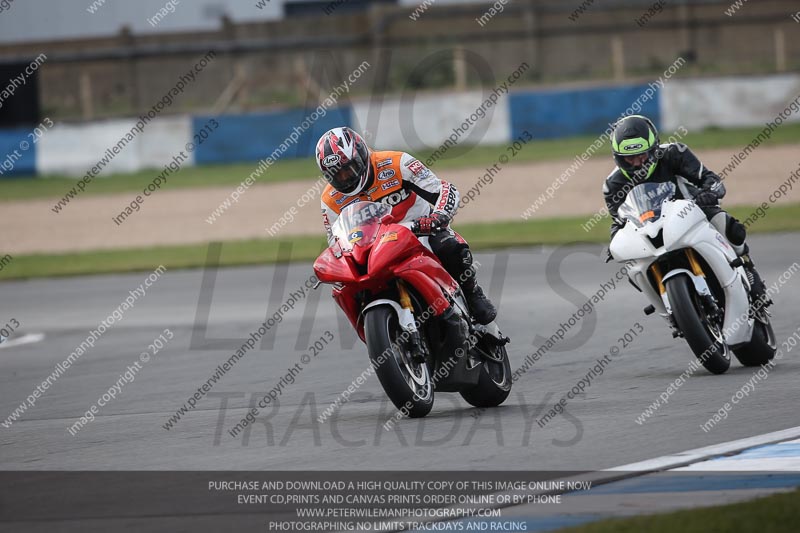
x: 29, y: 338
x: 697, y: 455
x: 666, y: 462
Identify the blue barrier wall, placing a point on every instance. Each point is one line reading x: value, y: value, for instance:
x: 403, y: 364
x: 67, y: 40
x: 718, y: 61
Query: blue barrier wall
x: 546, y: 114
x: 16, y: 160
x: 566, y: 113
x: 255, y: 136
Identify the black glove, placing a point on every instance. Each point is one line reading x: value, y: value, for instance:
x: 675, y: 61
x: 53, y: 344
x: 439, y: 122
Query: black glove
x: 706, y: 198
x: 431, y: 224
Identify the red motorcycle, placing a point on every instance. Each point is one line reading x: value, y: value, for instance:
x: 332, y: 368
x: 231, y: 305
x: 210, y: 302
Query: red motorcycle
x: 411, y: 314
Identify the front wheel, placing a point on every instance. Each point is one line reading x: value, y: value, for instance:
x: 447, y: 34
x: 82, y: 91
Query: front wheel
x: 407, y: 383
x: 704, y: 337
x: 494, y: 383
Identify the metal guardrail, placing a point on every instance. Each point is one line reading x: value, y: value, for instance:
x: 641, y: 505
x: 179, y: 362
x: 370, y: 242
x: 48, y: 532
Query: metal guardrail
x: 373, y: 35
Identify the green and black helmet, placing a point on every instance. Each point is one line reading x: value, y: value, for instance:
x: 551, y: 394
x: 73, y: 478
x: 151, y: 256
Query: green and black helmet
x: 635, y: 135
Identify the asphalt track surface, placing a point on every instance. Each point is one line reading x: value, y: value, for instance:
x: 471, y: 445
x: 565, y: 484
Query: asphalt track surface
x: 534, y: 294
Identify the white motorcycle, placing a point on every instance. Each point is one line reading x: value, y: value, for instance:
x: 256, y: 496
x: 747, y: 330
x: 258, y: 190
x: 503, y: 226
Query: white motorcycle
x: 693, y: 277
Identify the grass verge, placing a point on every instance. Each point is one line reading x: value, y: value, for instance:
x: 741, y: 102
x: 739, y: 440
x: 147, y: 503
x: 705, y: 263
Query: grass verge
x: 778, y: 513
x: 487, y: 236
x: 305, y: 169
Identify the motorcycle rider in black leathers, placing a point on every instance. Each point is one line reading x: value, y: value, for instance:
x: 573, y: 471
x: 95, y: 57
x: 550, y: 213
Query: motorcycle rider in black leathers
x: 640, y: 157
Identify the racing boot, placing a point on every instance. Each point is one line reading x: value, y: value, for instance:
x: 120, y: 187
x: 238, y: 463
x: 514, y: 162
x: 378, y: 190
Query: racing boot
x: 736, y: 233
x: 481, y: 307
x: 758, y: 290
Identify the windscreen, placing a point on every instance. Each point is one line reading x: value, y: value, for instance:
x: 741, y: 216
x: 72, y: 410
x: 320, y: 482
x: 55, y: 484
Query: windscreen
x: 643, y: 203
x: 358, y: 224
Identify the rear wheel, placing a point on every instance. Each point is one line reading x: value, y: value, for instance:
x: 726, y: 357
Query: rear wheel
x: 494, y: 383
x: 762, y: 346
x: 703, y: 334
x: 407, y: 383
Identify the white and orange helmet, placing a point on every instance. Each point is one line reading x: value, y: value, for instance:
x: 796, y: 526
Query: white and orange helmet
x: 343, y: 159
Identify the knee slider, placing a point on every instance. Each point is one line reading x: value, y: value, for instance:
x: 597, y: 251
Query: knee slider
x: 735, y: 231
x: 466, y: 256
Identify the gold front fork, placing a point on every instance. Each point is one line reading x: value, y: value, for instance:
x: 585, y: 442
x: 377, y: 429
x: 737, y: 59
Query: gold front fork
x: 405, y: 299
x: 656, y: 270
x: 696, y: 268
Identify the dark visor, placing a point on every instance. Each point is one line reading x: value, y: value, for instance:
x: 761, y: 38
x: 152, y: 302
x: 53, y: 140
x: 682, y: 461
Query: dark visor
x: 343, y: 178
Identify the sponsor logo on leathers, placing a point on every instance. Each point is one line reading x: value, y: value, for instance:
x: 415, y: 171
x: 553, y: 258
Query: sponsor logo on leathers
x: 389, y: 184
x: 415, y: 166
x: 386, y: 174
x: 395, y: 198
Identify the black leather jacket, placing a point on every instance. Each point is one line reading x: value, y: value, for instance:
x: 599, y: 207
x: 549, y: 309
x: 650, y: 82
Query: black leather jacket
x: 674, y: 160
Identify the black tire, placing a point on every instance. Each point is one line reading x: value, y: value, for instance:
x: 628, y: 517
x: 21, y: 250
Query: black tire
x: 494, y: 383
x: 382, y: 330
x: 713, y: 354
x: 762, y: 346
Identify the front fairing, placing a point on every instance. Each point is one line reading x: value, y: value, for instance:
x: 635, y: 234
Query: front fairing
x: 353, y: 234
x: 394, y: 244
x: 331, y: 268
x: 628, y: 244
x: 643, y: 213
